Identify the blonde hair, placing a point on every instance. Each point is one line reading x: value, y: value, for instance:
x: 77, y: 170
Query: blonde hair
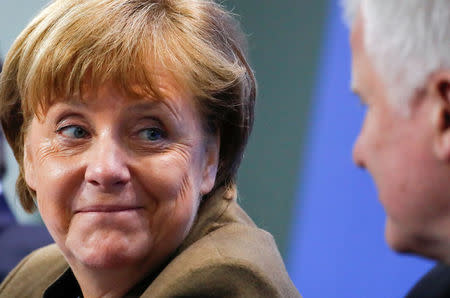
x: 408, y: 41
x: 76, y: 45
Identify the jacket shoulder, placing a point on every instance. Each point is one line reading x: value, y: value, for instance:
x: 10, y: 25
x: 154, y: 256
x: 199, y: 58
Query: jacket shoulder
x: 236, y: 260
x: 37, y: 271
x: 436, y: 283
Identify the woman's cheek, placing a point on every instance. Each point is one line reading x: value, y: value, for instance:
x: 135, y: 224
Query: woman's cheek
x: 168, y: 177
x: 171, y: 183
x: 55, y: 217
x: 58, y: 187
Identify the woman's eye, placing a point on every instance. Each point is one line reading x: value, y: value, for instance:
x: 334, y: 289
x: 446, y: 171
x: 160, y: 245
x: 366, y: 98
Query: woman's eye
x: 73, y: 131
x: 151, y: 134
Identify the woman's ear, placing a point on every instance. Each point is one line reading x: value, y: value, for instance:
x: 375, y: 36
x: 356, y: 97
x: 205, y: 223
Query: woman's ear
x: 28, y: 168
x: 212, y: 150
x: 438, y: 88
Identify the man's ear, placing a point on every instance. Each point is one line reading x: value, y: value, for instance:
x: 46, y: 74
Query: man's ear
x: 212, y: 150
x: 28, y: 169
x: 438, y: 88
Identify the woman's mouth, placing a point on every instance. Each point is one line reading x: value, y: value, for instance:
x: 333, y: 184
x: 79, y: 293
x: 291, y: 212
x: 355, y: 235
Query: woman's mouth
x: 107, y: 209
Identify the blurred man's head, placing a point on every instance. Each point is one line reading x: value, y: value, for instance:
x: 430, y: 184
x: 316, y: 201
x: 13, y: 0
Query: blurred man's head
x: 401, y: 71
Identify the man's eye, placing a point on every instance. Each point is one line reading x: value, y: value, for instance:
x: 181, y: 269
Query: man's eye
x: 73, y: 131
x: 151, y: 134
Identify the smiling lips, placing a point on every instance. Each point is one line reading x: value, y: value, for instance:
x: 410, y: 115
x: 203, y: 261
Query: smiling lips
x: 108, y: 209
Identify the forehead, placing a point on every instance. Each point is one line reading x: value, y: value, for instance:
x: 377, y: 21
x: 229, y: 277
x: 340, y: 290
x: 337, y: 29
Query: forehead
x: 358, y: 51
x: 176, y: 111
x: 166, y: 92
x: 162, y: 87
x: 357, y: 33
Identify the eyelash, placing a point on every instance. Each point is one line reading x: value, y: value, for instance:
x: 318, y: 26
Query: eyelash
x: 67, y: 127
x: 160, y: 133
x: 143, y: 133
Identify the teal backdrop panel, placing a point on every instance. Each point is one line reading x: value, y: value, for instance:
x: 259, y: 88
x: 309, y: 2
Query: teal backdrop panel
x: 284, y: 38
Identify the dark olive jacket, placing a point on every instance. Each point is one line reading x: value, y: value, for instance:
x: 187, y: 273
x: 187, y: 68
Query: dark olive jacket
x: 224, y: 255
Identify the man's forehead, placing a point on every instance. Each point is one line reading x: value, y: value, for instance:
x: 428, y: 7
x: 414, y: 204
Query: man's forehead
x: 357, y: 46
x: 357, y: 33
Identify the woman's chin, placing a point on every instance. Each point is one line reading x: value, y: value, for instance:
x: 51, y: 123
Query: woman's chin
x: 109, y: 252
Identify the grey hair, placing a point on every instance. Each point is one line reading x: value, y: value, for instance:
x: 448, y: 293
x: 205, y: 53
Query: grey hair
x: 350, y: 10
x: 408, y: 41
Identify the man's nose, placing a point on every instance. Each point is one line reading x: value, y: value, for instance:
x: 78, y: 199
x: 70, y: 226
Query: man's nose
x: 358, y: 153
x: 107, y: 165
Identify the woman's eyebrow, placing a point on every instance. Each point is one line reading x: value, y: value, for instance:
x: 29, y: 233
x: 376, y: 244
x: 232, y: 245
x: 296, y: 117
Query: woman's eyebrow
x: 142, y: 106
x: 148, y: 105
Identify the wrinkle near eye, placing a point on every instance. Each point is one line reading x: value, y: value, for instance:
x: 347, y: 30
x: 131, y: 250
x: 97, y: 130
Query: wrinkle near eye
x: 154, y: 104
x: 46, y: 149
x: 174, y: 110
x: 185, y: 151
x: 53, y: 148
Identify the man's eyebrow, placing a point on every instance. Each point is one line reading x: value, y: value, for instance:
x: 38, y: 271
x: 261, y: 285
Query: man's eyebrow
x: 354, y: 87
x: 359, y: 97
x: 358, y: 94
x: 355, y: 90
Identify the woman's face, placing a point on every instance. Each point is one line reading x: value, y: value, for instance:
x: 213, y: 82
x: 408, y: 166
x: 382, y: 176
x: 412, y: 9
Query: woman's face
x: 118, y: 180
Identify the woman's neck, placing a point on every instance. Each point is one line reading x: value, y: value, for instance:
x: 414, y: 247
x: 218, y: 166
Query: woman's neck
x: 116, y: 282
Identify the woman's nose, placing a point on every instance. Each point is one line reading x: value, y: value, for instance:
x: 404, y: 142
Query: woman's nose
x: 107, y: 166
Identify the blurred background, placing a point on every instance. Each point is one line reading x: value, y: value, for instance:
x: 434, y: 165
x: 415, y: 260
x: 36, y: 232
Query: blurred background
x: 297, y: 179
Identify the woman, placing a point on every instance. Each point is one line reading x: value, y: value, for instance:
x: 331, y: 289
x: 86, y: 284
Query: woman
x: 128, y: 119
